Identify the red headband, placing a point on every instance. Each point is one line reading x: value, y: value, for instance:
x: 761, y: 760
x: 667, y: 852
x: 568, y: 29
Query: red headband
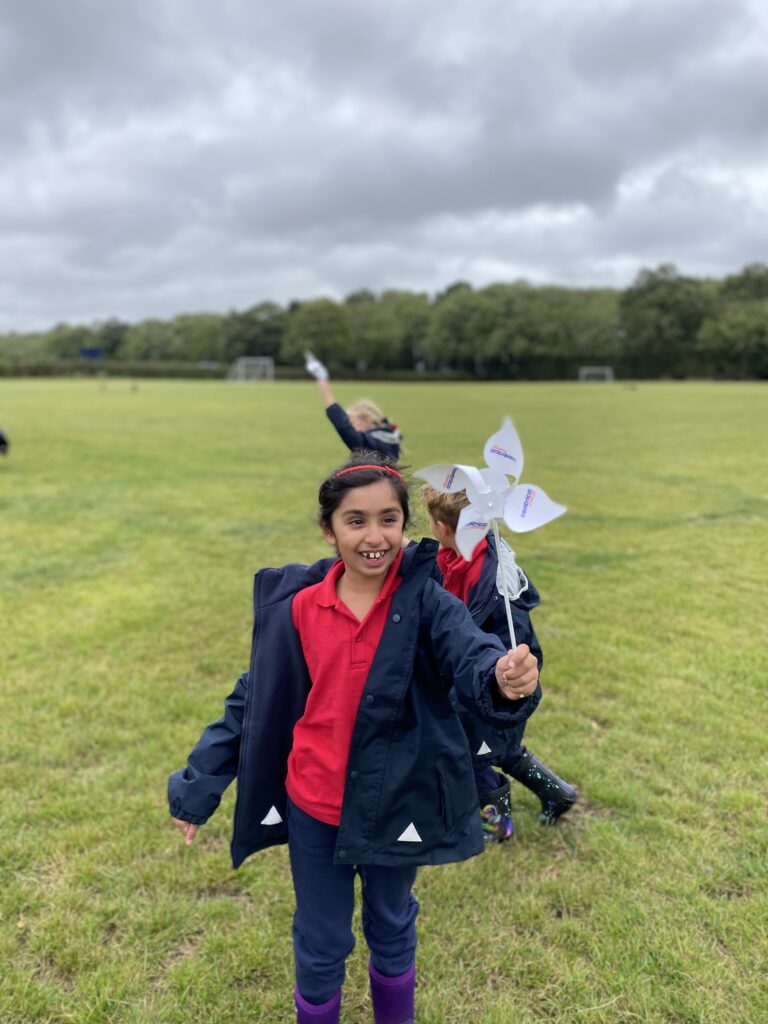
x: 354, y: 469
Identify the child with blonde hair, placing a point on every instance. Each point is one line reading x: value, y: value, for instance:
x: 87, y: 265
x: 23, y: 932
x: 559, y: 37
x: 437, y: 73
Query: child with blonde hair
x: 363, y: 425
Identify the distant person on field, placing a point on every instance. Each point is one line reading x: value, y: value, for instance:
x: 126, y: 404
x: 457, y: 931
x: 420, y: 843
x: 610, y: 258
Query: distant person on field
x: 476, y: 583
x: 4, y: 444
x: 363, y: 425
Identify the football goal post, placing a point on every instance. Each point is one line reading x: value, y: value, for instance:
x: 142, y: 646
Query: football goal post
x: 252, y: 368
x: 602, y: 373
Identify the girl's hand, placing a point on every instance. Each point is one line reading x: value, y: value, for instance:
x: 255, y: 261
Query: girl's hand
x: 517, y: 673
x: 190, y: 830
x: 314, y: 367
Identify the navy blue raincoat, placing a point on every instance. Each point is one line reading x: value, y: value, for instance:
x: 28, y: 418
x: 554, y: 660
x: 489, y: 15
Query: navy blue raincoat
x: 491, y: 745
x: 384, y: 439
x: 410, y: 796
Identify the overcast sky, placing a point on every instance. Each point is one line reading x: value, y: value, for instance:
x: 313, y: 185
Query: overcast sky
x: 182, y: 155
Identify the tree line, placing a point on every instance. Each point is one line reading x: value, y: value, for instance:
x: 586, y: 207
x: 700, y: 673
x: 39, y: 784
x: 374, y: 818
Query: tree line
x: 665, y: 324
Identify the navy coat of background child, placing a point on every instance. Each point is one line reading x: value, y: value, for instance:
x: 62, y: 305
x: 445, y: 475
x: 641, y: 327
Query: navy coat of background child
x: 384, y: 439
x: 409, y: 754
x: 486, y: 606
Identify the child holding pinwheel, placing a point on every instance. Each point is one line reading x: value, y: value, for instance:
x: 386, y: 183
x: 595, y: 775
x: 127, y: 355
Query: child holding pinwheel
x: 344, y: 739
x: 363, y: 425
x: 475, y: 582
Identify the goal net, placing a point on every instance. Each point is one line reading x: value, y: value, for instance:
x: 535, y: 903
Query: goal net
x: 596, y: 373
x: 252, y: 368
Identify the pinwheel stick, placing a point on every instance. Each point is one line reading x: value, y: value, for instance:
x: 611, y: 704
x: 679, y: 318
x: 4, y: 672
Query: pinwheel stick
x: 500, y: 554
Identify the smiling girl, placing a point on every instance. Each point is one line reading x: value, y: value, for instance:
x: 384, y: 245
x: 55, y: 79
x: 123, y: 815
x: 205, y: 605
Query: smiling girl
x: 344, y: 740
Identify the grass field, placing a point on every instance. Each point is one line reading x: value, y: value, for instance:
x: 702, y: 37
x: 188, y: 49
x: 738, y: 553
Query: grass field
x: 131, y: 522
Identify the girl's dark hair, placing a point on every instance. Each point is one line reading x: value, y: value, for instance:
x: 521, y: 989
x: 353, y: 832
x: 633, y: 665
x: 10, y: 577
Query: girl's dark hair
x: 373, y: 467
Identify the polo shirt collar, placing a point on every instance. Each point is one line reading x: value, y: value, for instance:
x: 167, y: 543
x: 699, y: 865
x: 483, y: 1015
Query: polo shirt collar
x: 326, y: 596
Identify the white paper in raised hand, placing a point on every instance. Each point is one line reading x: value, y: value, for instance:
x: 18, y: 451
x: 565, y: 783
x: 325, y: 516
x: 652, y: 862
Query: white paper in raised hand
x: 313, y: 366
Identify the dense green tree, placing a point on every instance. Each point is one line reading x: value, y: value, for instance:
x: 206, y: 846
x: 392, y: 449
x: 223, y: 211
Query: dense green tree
x: 149, y: 339
x: 511, y: 346
x: 461, y: 324
x: 751, y: 283
x: 661, y: 315
x: 665, y: 324
x: 195, y: 336
x: 65, y: 341
x: 412, y: 312
x: 734, y: 341
x: 257, y: 331
x: 361, y: 295
x: 457, y: 286
x: 110, y: 336
x: 322, y: 326
x: 16, y: 347
x: 374, y: 333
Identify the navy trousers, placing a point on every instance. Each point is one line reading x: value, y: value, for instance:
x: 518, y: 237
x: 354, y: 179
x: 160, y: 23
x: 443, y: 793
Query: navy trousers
x: 325, y: 899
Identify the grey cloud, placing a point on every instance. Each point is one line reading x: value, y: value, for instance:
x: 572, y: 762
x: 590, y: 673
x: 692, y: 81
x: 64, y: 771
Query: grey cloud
x: 180, y: 155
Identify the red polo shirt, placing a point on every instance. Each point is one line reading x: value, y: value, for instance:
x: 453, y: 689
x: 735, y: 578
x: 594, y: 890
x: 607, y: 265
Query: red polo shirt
x: 459, y: 576
x: 339, y: 650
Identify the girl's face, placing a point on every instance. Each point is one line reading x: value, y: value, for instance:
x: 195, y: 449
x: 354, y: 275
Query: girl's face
x: 367, y: 529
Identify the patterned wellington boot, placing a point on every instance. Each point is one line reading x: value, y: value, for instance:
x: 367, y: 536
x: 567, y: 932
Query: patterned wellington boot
x: 312, y: 1013
x: 392, y: 998
x: 496, y: 812
x: 557, y: 796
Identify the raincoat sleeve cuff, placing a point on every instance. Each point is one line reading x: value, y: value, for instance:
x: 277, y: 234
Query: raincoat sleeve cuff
x: 502, y: 712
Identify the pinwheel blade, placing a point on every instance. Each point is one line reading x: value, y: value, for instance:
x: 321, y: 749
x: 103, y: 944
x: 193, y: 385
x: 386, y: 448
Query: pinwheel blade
x: 504, y: 451
x: 528, y: 507
x: 444, y: 478
x: 470, y: 530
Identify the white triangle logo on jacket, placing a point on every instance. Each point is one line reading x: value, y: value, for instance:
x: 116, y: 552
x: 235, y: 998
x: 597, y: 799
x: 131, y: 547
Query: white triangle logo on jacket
x: 410, y: 835
x: 273, y: 817
x: 484, y: 749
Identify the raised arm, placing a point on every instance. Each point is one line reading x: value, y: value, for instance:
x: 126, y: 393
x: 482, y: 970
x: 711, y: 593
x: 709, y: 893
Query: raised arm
x: 352, y: 438
x: 324, y: 387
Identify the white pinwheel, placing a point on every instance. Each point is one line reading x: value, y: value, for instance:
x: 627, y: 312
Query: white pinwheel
x: 523, y: 507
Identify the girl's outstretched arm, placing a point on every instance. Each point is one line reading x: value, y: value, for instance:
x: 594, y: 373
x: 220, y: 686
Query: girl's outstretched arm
x: 500, y: 687
x: 195, y: 791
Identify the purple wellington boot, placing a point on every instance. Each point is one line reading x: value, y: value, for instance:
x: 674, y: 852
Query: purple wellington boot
x: 313, y: 1013
x: 392, y: 998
